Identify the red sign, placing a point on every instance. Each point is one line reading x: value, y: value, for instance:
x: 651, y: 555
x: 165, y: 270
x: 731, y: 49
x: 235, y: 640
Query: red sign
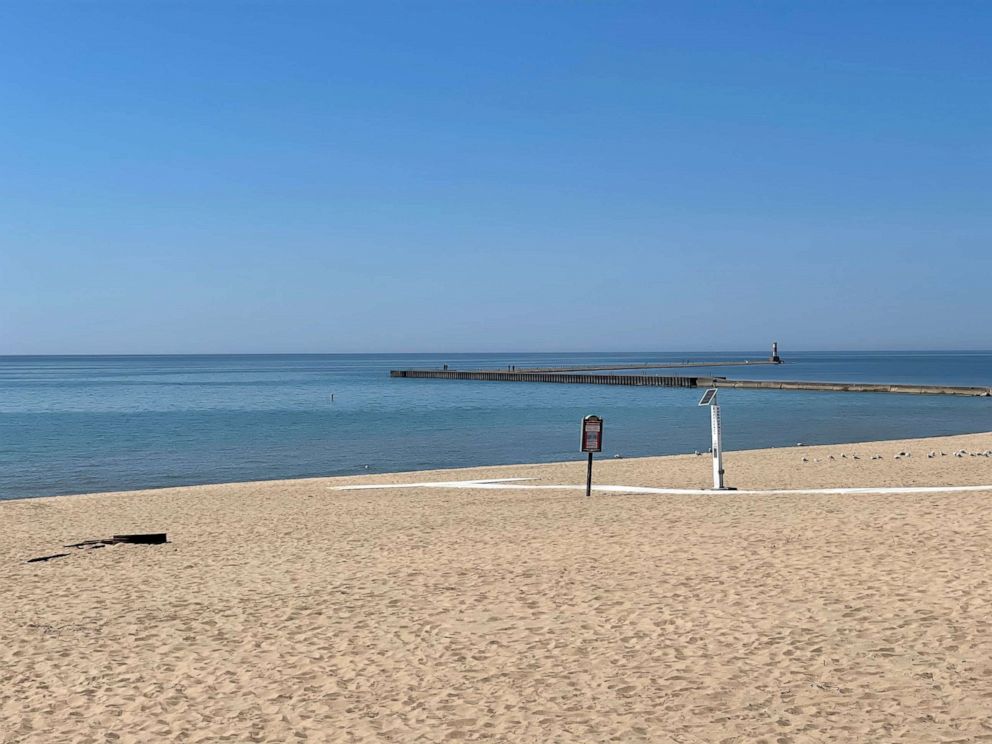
x: 592, y: 434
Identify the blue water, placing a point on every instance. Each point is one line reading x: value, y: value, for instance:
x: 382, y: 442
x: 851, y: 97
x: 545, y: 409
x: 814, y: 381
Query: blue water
x: 80, y: 424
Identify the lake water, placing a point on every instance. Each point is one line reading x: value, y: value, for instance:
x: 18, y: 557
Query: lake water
x: 80, y: 424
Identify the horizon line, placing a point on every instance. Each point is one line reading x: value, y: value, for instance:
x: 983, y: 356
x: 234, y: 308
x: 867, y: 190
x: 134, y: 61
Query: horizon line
x: 498, y: 353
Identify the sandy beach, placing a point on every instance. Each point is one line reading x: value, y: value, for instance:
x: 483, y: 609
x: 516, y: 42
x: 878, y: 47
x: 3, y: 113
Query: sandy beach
x: 292, y: 611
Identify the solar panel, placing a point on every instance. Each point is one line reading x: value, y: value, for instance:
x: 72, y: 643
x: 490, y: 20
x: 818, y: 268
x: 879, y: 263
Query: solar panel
x: 708, y: 397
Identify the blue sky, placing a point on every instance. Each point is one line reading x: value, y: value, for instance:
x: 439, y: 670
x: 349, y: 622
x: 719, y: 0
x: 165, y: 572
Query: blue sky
x: 490, y: 176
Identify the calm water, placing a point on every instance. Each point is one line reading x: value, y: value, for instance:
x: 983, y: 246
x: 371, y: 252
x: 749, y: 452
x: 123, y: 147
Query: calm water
x: 78, y: 424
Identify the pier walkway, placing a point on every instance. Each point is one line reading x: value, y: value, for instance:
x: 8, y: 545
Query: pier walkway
x: 688, y: 382
x: 560, y: 377
x: 646, y: 365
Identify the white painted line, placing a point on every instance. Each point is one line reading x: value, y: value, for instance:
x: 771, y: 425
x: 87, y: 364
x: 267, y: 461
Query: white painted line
x: 505, y: 484
x: 493, y: 483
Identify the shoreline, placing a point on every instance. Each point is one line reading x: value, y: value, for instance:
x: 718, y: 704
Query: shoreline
x: 290, y: 610
x: 600, y: 460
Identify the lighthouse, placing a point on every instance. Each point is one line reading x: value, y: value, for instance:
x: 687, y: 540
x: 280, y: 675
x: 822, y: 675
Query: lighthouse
x: 775, y: 359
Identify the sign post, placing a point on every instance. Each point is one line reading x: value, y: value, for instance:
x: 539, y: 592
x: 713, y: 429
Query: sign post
x: 716, y: 430
x: 592, y: 441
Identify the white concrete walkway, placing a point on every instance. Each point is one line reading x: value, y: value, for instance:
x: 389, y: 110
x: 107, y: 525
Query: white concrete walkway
x: 515, y: 484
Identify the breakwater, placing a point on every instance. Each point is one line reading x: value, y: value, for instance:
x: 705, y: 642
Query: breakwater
x: 618, y: 367
x: 847, y: 387
x: 685, y: 381
x: 558, y: 377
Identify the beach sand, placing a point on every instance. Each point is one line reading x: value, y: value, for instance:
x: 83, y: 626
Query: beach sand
x: 287, y: 611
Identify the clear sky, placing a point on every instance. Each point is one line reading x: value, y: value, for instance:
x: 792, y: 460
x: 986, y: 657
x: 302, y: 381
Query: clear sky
x: 494, y: 176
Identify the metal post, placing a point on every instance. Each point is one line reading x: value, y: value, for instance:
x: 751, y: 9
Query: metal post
x: 717, y: 447
x: 589, y: 477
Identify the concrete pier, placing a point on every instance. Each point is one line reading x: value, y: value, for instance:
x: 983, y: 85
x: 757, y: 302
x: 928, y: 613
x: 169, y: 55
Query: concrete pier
x: 659, y: 365
x: 689, y: 382
x: 558, y: 377
x: 846, y: 387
